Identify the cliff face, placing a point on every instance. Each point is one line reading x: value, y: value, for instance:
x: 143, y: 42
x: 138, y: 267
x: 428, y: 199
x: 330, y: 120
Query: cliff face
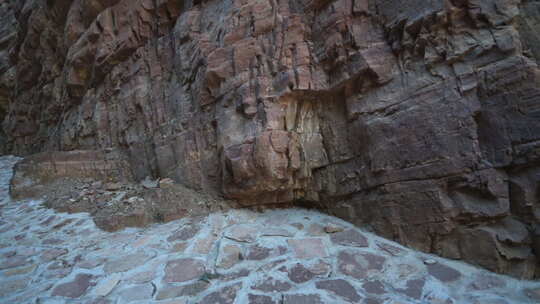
x: 418, y: 118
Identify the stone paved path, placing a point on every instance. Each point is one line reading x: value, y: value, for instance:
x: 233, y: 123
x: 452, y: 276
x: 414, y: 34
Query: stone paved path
x: 285, y: 256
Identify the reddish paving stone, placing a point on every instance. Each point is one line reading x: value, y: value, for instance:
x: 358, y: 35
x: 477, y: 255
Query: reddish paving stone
x: 302, y: 299
x: 92, y: 263
x: 203, y: 246
x: 99, y: 301
x: 229, y: 255
x: 235, y: 275
x: 182, y: 270
x: 19, y: 270
x: 372, y: 301
x: 259, y: 299
x: 14, y: 261
x: 172, y: 291
x: 341, y: 288
x: 51, y: 254
x: 242, y: 233
x: 485, y: 281
x: 48, y: 221
x: 349, y: 238
x: 414, y: 288
x: 359, y: 265
x: 62, y: 224
x: 374, y: 287
x: 308, y: 248
x: 272, y: 285
x: 276, y: 232
x: 75, y: 288
x: 10, y: 286
x: 127, y: 262
x: 52, y: 241
x: 300, y: 274
x: 226, y: 295
x: 142, y: 277
x: 392, y: 250
x: 257, y: 253
x: 185, y: 233
x: 443, y: 273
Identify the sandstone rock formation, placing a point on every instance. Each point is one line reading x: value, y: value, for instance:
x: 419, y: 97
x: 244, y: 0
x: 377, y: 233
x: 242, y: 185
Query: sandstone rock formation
x: 420, y: 119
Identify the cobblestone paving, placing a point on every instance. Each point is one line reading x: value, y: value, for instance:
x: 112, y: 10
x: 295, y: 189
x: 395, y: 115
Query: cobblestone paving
x: 284, y: 256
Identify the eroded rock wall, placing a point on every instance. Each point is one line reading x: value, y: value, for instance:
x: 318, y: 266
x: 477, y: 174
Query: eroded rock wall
x: 418, y: 118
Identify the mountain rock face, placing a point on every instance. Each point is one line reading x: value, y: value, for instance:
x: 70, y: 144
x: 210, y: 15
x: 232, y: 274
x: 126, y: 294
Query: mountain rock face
x: 418, y: 118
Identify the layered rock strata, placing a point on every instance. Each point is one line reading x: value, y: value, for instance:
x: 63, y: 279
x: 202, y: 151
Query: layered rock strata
x: 420, y: 119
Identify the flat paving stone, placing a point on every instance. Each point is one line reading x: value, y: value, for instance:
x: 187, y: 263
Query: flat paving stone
x: 414, y: 288
x: 136, y: 293
x: 20, y: 270
x: 242, y: 233
x: 182, y: 270
x: 300, y: 274
x: 51, y: 254
x: 443, y: 272
x: 229, y: 256
x: 226, y: 295
x: 341, y: 288
x: 127, y: 262
x: 272, y: 285
x: 349, y: 238
x: 185, y: 233
x: 374, y: 287
x: 11, y: 286
x: 257, y: 253
x: 269, y: 232
x: 172, y: 291
x: 260, y: 299
x: 302, y: 299
x: 14, y: 261
x: 486, y: 281
x: 142, y: 277
x: 308, y: 248
x: 75, y: 288
x: 106, y: 285
x: 360, y: 265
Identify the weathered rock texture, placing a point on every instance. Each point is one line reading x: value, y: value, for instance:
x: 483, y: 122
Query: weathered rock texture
x: 418, y: 118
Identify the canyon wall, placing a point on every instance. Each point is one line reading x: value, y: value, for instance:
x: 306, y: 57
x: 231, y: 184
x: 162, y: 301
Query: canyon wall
x: 419, y: 119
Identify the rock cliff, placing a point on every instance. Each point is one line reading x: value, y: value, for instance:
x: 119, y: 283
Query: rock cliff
x: 419, y: 119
